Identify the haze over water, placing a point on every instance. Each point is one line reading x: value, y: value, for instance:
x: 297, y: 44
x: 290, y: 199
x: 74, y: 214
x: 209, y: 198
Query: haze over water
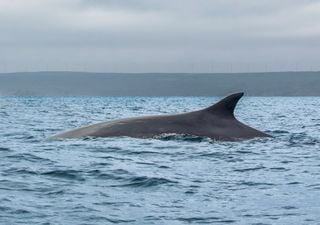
x: 171, y: 180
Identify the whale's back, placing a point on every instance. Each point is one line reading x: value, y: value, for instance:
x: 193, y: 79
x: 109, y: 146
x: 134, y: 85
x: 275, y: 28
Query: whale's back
x: 216, y: 122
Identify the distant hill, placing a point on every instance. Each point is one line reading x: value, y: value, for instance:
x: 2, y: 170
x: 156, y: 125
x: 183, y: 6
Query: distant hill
x: 158, y: 84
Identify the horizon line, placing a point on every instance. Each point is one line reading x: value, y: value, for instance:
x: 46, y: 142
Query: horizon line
x: 188, y: 73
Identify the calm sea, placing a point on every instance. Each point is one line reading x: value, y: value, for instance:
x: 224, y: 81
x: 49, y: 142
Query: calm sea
x: 176, y: 180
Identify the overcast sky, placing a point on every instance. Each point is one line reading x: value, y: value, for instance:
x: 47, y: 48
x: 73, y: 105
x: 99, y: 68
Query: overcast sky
x: 159, y: 35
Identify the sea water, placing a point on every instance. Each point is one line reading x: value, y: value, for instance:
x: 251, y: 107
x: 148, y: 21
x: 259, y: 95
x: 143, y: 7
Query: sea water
x: 169, y: 180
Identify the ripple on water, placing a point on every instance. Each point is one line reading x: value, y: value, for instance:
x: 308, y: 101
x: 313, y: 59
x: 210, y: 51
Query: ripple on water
x: 302, y: 139
x: 64, y: 174
x: 249, y: 169
x: 145, y: 182
x: 3, y: 149
x: 110, y: 175
x: 206, y: 220
x: 28, y: 157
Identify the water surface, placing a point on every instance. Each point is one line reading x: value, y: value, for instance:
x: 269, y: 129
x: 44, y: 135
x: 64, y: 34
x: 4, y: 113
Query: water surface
x: 180, y: 180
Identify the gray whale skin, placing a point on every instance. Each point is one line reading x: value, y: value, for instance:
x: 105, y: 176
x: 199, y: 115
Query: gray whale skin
x: 216, y: 122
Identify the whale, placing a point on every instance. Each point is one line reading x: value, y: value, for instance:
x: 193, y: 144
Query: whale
x: 216, y: 122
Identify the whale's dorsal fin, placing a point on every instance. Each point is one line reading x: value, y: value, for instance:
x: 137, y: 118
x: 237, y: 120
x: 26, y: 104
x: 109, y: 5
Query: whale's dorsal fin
x: 226, y: 106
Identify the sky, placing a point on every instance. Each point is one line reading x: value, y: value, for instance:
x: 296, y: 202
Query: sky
x: 193, y: 36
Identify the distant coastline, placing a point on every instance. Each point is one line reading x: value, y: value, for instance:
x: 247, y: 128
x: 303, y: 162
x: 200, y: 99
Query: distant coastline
x: 158, y: 84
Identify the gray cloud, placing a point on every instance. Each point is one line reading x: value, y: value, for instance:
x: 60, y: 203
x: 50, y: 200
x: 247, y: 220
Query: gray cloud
x: 159, y: 36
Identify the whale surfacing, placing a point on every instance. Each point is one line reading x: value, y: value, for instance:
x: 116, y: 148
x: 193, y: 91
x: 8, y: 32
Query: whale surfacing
x: 216, y: 122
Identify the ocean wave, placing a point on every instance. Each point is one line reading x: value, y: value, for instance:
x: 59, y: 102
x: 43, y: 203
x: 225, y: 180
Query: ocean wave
x: 28, y: 157
x: 64, y: 174
x: 206, y: 220
x: 4, y: 149
x: 145, y: 182
x: 302, y: 139
x: 249, y: 169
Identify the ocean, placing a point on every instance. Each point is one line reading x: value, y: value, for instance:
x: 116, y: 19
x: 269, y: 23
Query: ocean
x: 169, y: 180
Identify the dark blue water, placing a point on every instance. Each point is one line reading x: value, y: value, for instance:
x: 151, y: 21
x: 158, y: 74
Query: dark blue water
x: 176, y: 180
